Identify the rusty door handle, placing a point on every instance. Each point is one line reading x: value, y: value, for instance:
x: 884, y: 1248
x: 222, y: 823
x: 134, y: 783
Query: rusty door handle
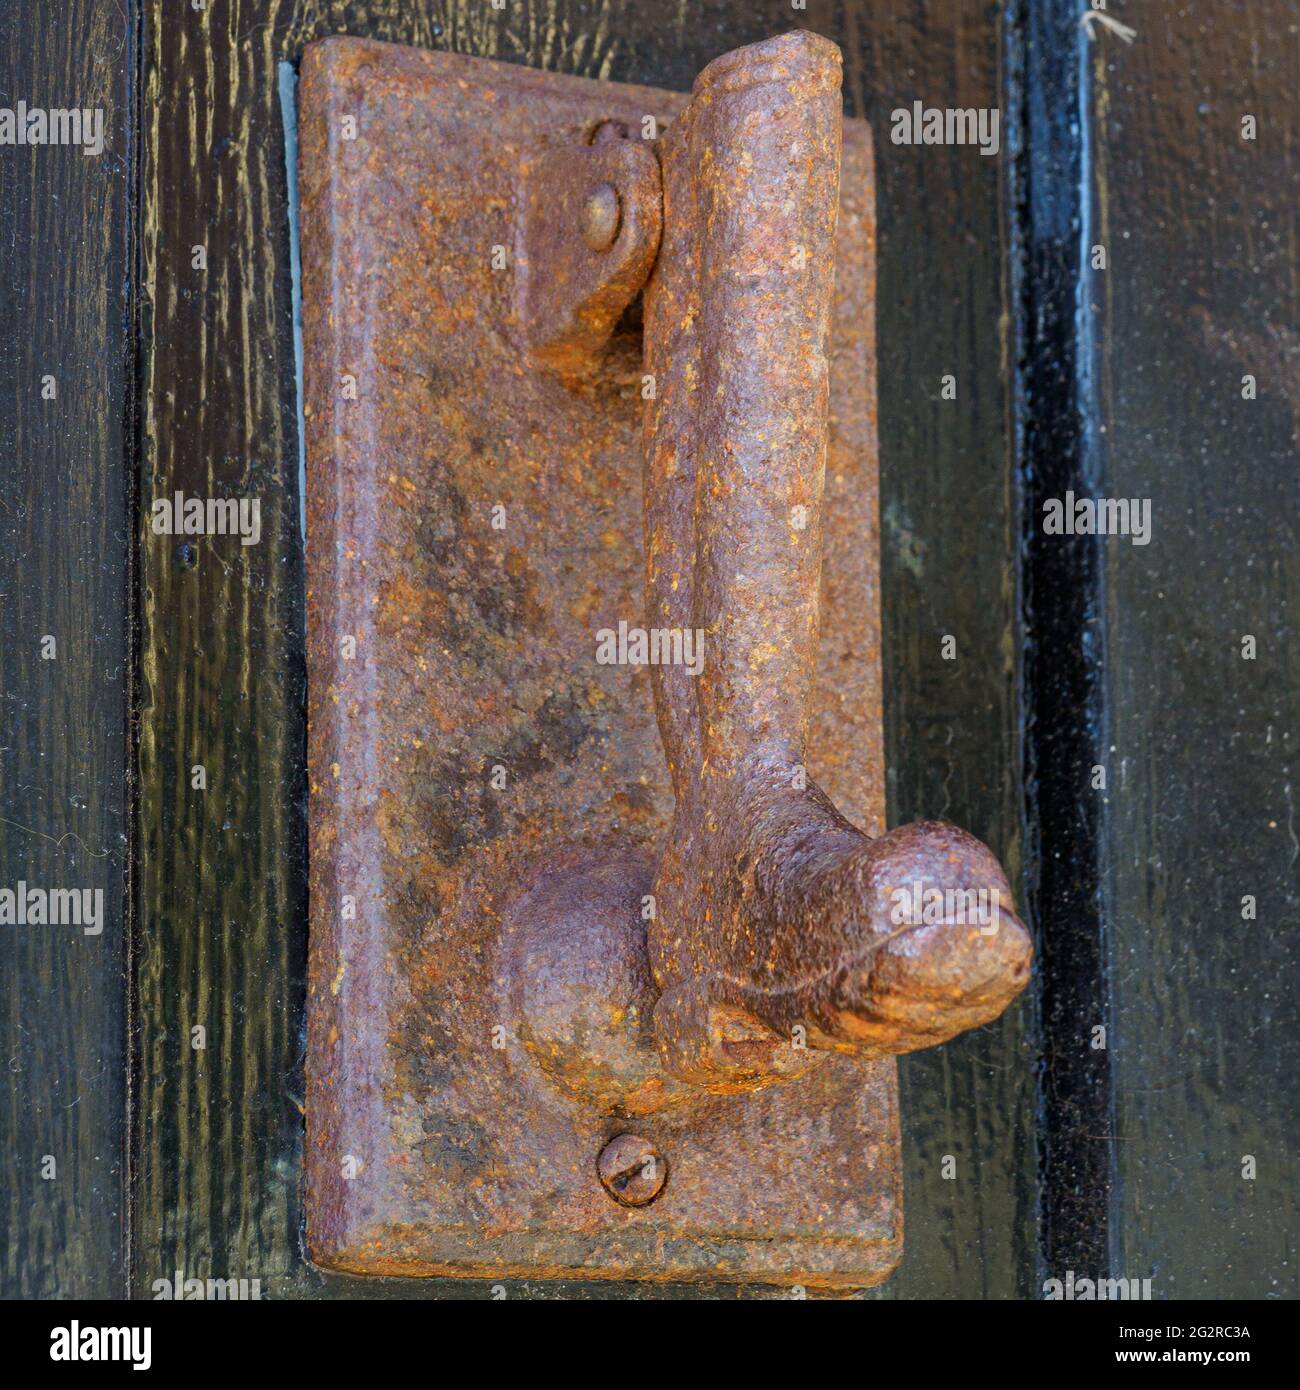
x: 776, y: 920
x: 778, y: 931
x: 549, y: 966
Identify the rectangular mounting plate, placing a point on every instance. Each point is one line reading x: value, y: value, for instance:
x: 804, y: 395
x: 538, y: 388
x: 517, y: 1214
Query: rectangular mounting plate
x: 472, y: 524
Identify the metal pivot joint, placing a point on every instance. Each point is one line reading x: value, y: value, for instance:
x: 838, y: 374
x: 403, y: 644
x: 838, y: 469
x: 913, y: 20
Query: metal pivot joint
x: 632, y: 952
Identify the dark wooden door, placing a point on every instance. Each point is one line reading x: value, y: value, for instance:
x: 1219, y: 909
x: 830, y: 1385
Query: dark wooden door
x: 153, y: 284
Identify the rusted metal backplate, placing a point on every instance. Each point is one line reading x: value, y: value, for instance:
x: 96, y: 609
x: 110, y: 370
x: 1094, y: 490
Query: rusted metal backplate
x: 473, y: 524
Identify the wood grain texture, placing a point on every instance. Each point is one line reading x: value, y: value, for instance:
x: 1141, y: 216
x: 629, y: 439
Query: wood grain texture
x: 952, y: 733
x: 1201, y: 290
x: 222, y: 921
x: 64, y: 543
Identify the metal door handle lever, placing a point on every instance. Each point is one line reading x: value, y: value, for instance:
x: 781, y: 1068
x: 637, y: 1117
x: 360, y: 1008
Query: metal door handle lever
x: 777, y: 926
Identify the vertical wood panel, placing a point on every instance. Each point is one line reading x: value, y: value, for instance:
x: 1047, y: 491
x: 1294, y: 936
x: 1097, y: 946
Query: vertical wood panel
x: 222, y: 895
x: 1201, y: 290
x: 949, y: 539
x: 64, y: 541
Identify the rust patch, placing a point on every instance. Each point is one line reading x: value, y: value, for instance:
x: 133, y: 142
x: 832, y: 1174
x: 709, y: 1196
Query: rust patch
x: 588, y: 234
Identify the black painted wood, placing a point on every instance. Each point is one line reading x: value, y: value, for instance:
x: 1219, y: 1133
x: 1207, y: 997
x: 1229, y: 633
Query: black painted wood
x: 65, y: 360
x: 1065, y: 716
x: 1201, y: 291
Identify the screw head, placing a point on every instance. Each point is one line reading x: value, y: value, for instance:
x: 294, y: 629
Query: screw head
x: 631, y: 1170
x: 601, y: 215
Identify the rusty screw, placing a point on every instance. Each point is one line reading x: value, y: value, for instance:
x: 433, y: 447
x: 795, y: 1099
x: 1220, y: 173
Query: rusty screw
x: 601, y: 215
x: 632, y: 1170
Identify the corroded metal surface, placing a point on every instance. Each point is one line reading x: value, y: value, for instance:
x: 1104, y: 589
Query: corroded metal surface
x: 489, y: 801
x: 632, y: 1170
x: 430, y: 1149
x: 573, y: 278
